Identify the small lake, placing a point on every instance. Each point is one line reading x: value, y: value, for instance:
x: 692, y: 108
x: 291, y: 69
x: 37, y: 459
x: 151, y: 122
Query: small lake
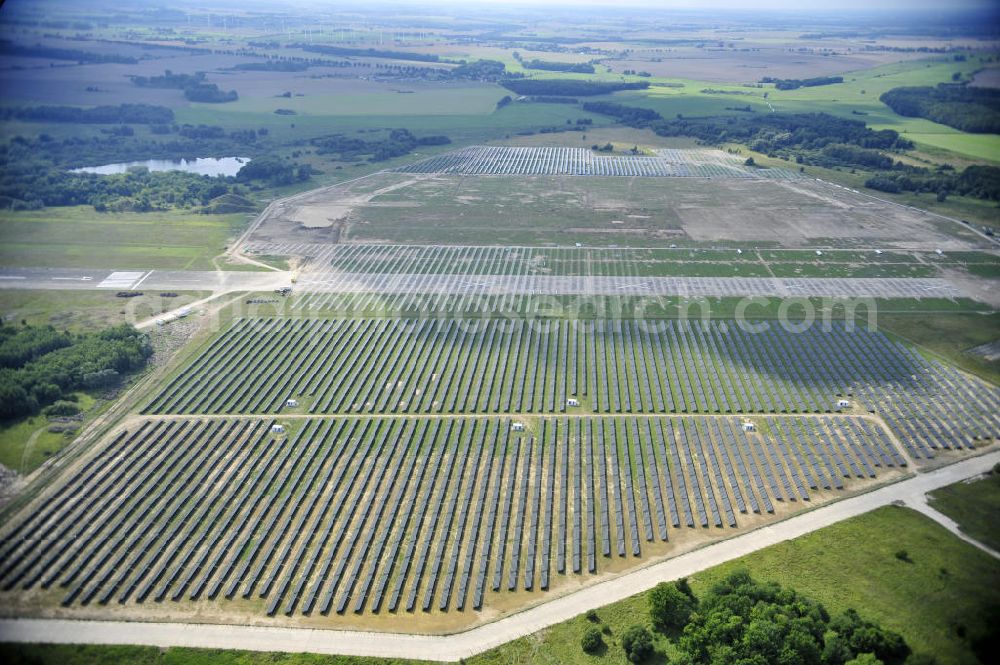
x: 211, y: 166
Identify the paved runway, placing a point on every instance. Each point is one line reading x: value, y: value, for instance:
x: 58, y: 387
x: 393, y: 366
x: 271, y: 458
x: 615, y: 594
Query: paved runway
x: 431, y: 283
x: 137, y: 280
x: 409, y: 283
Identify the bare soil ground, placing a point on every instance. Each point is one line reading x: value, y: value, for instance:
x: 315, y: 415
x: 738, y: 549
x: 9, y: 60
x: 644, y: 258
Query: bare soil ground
x: 503, y: 210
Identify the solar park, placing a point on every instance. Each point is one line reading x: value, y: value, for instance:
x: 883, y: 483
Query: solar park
x: 421, y: 472
x: 381, y: 467
x: 405, y: 514
x: 494, y: 160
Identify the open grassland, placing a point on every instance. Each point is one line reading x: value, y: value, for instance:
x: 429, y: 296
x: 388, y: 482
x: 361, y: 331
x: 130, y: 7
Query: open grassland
x: 950, y: 335
x: 85, y: 310
x: 79, y: 237
x: 975, y: 505
x: 27, y: 442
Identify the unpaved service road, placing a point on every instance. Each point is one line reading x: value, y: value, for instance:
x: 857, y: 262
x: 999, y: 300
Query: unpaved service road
x: 471, y: 642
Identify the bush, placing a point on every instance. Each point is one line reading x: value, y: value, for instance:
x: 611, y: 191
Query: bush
x: 61, y: 408
x: 638, y: 644
x: 903, y: 555
x: 669, y: 606
x: 591, y: 641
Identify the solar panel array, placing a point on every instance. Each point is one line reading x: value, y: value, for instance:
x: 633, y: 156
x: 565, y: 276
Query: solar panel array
x: 365, y: 514
x: 522, y: 366
x: 551, y: 161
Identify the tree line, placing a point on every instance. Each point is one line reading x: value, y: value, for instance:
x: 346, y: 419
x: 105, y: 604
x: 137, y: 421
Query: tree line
x: 140, y: 114
x: 818, y: 139
x: 397, y: 143
x: 794, y: 84
x: 965, y: 108
x: 553, y: 66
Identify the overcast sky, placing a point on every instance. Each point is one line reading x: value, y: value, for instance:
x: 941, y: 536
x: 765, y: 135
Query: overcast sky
x: 790, y: 6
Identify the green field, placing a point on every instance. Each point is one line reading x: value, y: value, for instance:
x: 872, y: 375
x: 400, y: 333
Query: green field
x: 79, y: 237
x: 86, y: 310
x: 975, y: 505
x: 950, y: 335
x: 26, y: 443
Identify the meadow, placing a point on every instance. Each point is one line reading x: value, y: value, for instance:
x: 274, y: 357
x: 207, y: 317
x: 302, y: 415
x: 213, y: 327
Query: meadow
x: 79, y: 237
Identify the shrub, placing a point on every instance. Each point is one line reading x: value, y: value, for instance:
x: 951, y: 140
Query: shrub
x: 591, y: 640
x: 638, y: 644
x: 61, y: 408
x: 670, y: 605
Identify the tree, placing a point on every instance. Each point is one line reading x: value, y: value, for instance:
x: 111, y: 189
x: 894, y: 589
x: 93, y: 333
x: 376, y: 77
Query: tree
x: 750, y: 162
x: 669, y: 607
x: 591, y: 640
x: 638, y: 644
x: 865, y: 659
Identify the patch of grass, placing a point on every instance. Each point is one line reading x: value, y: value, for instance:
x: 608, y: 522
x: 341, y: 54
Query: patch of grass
x: 79, y: 237
x: 950, y: 335
x: 975, y: 506
x: 26, y: 443
x: 85, y: 310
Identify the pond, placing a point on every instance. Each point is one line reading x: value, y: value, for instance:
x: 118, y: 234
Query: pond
x: 211, y: 166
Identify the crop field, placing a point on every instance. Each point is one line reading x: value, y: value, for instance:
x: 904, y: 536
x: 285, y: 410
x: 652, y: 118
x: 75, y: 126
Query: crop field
x: 404, y: 514
x: 494, y: 160
x: 454, y: 209
x: 340, y: 366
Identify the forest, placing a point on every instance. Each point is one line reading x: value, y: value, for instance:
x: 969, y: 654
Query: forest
x: 966, y: 108
x: 35, y: 171
x: 40, y: 366
x: 551, y: 66
x: 396, y: 144
x: 366, y: 53
x: 144, y: 114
